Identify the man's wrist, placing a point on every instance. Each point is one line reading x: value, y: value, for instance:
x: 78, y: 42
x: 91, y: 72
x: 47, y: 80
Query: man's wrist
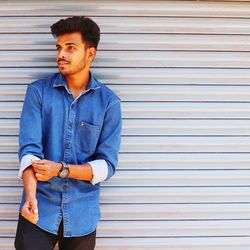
x: 64, y: 171
x: 31, y: 196
x: 58, y: 168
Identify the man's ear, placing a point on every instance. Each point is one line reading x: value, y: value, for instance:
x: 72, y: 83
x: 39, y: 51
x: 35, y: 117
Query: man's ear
x: 91, y: 54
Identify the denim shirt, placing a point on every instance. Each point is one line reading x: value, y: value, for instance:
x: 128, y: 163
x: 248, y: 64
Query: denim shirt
x: 57, y: 127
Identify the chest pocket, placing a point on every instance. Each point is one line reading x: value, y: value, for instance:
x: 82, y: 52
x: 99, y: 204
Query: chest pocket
x: 87, y: 136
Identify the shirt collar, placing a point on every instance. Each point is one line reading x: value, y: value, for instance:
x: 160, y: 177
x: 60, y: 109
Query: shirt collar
x: 61, y: 81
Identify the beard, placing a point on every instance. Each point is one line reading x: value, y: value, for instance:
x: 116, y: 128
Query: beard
x: 71, y: 70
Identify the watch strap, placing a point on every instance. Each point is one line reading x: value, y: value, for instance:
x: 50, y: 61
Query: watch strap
x: 64, y: 166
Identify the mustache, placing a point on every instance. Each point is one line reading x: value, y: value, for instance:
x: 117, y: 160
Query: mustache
x: 62, y: 60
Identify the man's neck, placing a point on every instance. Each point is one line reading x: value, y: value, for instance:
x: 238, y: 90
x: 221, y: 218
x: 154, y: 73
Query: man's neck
x: 78, y: 82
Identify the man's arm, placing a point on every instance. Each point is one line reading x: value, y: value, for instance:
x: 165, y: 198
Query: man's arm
x: 29, y: 209
x: 45, y: 170
x: 81, y: 172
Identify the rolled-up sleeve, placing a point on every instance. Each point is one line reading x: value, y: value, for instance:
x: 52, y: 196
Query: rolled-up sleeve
x: 30, y: 132
x: 108, y: 144
x: 99, y: 169
x: 25, y: 162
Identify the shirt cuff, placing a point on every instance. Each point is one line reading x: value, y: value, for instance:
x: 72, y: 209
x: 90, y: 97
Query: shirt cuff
x: 100, y: 170
x: 25, y: 162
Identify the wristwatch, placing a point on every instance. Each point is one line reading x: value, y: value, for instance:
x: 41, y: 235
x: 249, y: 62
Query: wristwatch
x: 64, y: 171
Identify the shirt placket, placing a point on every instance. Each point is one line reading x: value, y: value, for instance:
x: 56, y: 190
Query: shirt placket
x: 66, y: 158
x: 65, y: 182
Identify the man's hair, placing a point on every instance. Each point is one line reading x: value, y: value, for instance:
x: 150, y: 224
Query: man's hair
x: 87, y: 27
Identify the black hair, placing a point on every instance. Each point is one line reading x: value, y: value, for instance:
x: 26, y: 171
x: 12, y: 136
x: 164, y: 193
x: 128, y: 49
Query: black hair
x: 87, y: 27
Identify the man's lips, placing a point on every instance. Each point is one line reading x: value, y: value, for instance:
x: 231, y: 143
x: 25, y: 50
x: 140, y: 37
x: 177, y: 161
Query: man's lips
x: 62, y: 63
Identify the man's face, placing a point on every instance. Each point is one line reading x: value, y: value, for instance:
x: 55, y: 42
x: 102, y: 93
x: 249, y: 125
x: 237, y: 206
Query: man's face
x: 72, y: 54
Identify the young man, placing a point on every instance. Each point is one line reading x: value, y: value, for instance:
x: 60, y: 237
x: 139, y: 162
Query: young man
x: 69, y: 141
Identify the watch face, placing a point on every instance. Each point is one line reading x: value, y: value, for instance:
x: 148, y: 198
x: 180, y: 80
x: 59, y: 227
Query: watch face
x: 64, y: 173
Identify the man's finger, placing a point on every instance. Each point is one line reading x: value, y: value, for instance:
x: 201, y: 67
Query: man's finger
x: 26, y: 210
x: 33, y: 207
x: 38, y: 165
x: 26, y: 213
x: 40, y: 177
x: 33, y: 218
x: 41, y: 162
x: 35, y: 210
x: 39, y: 169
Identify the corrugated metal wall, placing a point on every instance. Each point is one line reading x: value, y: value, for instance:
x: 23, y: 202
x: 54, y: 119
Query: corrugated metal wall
x: 182, y: 70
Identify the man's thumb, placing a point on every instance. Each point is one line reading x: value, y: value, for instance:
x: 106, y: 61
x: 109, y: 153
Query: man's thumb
x: 34, y: 207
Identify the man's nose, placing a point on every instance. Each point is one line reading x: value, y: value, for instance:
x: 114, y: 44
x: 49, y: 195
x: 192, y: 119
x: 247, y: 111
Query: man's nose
x: 61, y: 54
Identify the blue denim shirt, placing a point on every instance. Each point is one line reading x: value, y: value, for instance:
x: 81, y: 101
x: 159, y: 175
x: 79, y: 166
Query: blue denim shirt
x: 57, y: 127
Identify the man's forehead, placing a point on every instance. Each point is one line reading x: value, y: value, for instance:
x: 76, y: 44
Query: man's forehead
x: 70, y: 38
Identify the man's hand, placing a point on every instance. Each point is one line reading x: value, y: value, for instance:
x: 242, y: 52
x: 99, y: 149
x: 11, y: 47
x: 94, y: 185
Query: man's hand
x: 30, y: 210
x: 45, y: 169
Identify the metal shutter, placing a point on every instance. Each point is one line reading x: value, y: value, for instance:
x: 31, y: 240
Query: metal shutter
x: 181, y: 69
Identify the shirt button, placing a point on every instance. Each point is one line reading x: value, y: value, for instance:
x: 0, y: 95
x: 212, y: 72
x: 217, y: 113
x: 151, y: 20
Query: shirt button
x: 67, y: 145
x: 64, y: 205
x: 72, y: 106
x: 64, y: 187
